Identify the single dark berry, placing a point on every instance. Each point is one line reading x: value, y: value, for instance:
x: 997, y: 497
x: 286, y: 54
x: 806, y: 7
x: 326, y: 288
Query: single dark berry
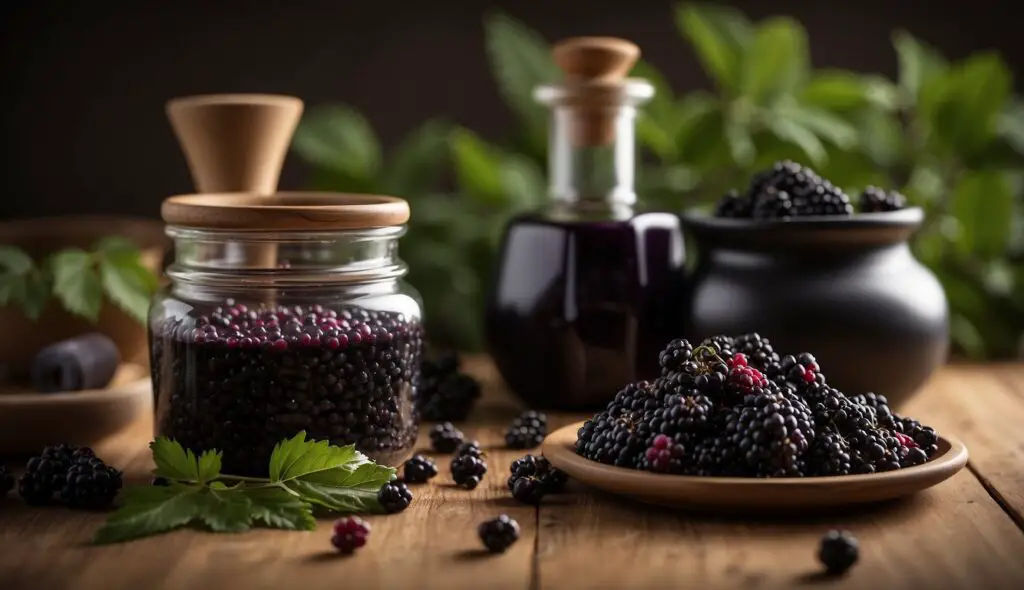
x: 468, y: 471
x: 527, y: 431
x: 499, y: 534
x: 444, y: 393
x: 838, y: 551
x: 350, y: 533
x: 90, y: 483
x: 445, y: 438
x: 675, y: 354
x: 528, y: 490
x: 874, y: 200
x: 419, y: 469
x: 733, y: 204
x: 394, y: 496
x: 46, y: 474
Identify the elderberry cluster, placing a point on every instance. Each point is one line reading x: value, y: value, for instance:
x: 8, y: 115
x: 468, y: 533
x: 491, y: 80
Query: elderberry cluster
x: 734, y: 406
x: 788, y: 190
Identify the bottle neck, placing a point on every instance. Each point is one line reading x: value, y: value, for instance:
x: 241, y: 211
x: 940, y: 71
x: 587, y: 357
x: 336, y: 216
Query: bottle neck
x: 592, y: 173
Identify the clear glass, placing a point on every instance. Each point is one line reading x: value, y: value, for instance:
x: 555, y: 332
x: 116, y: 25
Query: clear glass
x: 261, y: 335
x: 588, y: 289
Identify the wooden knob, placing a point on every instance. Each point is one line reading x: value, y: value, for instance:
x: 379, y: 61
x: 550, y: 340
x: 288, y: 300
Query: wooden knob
x: 235, y: 142
x: 595, y: 58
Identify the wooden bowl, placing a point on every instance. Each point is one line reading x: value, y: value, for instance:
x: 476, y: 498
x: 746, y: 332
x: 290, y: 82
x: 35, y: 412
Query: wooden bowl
x: 30, y: 420
x: 41, y: 237
x: 736, y: 494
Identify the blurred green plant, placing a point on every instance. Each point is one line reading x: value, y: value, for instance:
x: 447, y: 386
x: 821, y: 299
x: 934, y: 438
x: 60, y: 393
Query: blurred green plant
x: 949, y: 135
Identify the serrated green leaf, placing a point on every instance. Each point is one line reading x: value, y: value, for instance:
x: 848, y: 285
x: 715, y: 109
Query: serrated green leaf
x: 777, y: 62
x: 983, y: 206
x: 720, y: 36
x: 360, y: 500
x: 209, y: 465
x: 148, y: 510
x: 918, y: 63
x: 176, y: 463
x: 339, y: 138
x: 521, y: 60
x: 76, y: 283
x: 125, y: 285
x: 822, y: 123
x: 225, y: 510
x: 800, y: 136
x: 477, y: 168
x: 297, y: 457
x: 15, y: 260
x: 276, y: 508
x: 415, y: 165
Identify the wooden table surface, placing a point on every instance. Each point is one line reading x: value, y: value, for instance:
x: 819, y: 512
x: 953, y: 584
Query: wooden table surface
x: 966, y: 533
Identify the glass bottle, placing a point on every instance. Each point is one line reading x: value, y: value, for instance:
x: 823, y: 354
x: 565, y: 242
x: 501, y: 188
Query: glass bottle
x: 586, y: 290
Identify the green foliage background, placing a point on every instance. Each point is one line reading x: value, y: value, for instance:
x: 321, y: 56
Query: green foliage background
x: 949, y: 135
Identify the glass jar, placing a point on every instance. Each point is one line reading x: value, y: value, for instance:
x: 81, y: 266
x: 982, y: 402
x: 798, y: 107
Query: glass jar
x: 286, y: 314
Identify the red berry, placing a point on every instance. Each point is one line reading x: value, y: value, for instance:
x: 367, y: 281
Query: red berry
x: 809, y: 375
x: 661, y: 442
x: 905, y: 440
x: 350, y: 533
x: 738, y: 360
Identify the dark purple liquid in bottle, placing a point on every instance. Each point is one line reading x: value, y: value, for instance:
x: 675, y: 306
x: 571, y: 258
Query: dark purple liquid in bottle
x: 578, y: 309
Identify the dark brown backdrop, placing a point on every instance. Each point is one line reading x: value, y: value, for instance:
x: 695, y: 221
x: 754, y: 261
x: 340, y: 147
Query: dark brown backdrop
x: 83, y: 83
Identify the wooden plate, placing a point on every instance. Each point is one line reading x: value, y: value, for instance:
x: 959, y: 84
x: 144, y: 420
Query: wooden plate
x: 29, y: 420
x: 731, y: 494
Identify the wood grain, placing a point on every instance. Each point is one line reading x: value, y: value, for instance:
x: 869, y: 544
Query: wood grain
x: 953, y: 536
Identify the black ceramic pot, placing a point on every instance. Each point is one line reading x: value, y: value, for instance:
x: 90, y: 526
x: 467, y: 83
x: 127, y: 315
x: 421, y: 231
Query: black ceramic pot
x: 847, y: 289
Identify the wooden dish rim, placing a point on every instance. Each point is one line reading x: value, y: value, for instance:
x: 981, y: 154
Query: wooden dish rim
x: 11, y: 401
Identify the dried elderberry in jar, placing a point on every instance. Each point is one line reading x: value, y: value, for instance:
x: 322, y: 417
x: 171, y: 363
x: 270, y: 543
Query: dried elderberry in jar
x: 286, y: 313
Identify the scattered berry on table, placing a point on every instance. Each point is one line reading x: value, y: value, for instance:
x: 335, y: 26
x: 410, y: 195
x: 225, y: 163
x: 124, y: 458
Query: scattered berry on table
x: 444, y: 393
x: 90, y: 483
x: 499, y: 534
x: 350, y: 533
x: 527, y: 430
x: 394, y: 496
x: 874, y: 199
x: 46, y: 474
x: 468, y: 471
x: 419, y: 469
x: 534, y: 477
x: 445, y: 438
x: 838, y: 551
x: 469, y: 447
x: 528, y: 490
x: 6, y: 481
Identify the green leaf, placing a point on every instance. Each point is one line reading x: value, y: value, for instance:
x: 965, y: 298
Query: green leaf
x: 839, y: 90
x: 972, y: 99
x: 822, y: 123
x: 225, y: 510
x: 277, y: 508
x: 983, y: 206
x: 702, y: 135
x: 15, y: 260
x: 148, y: 510
x: 477, y: 167
x: 719, y: 36
x: 880, y: 136
x: 657, y: 121
x: 126, y: 286
x: 521, y: 60
x: 919, y: 63
x: 416, y: 164
x: 800, y: 136
x: 740, y: 142
x: 76, y: 283
x: 338, y: 138
x: 522, y: 182
x: 1010, y: 125
x: 297, y: 457
x: 776, y: 62
x: 116, y: 246
x: 36, y: 294
x: 174, y: 462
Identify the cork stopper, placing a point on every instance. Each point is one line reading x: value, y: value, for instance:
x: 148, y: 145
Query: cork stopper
x: 235, y: 142
x: 595, y: 70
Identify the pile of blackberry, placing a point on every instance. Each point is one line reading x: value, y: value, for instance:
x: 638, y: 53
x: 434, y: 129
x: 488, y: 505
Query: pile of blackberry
x: 240, y: 379
x: 734, y: 406
x: 73, y: 475
x: 444, y: 393
x: 788, y: 190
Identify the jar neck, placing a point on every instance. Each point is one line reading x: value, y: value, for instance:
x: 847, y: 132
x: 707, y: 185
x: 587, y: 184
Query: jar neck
x: 592, y: 175
x: 277, y: 258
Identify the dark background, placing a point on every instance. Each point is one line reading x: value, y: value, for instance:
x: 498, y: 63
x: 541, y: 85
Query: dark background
x: 84, y: 83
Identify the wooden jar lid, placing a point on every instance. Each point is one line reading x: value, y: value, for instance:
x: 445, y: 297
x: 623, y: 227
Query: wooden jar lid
x: 284, y: 211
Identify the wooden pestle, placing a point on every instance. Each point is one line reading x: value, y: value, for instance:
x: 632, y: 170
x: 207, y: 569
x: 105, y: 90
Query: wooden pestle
x: 595, y: 70
x: 236, y: 143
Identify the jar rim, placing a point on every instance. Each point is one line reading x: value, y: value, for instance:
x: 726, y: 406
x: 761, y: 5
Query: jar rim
x: 284, y: 211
